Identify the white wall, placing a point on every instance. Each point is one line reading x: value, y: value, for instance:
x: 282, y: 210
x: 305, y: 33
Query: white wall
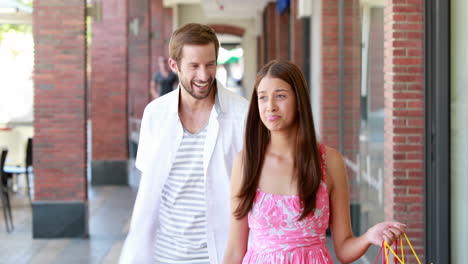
x: 316, y: 61
x: 459, y: 128
x: 194, y: 13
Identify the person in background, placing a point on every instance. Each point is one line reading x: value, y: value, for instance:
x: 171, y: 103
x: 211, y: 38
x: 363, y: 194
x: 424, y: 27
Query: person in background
x: 287, y: 188
x: 188, y: 140
x: 163, y: 81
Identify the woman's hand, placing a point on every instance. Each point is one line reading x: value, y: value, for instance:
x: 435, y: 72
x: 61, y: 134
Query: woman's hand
x: 388, y: 231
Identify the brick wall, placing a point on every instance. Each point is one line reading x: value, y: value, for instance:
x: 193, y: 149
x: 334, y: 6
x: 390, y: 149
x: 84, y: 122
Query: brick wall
x: 404, y: 116
x: 139, y: 56
x: 297, y: 35
x: 282, y: 35
x: 109, y: 82
x: 270, y: 32
x: 228, y: 29
x: 274, y: 42
x: 351, y: 78
x: 59, y: 101
x: 161, y: 30
x: 329, y: 65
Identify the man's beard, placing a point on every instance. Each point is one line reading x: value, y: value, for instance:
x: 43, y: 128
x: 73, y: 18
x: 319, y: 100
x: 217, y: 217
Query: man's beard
x: 189, y: 89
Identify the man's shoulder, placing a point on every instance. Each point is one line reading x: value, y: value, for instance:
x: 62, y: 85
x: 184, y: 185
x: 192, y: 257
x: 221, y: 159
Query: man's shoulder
x: 162, y: 103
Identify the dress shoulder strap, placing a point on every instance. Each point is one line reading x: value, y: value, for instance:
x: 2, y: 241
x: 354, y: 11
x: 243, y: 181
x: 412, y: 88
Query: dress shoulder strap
x: 323, y: 158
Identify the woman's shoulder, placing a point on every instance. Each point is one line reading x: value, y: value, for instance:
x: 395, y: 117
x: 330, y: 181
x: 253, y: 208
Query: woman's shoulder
x: 332, y: 155
x: 334, y: 165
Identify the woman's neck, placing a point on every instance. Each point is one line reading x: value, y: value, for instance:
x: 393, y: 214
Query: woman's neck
x: 283, y: 143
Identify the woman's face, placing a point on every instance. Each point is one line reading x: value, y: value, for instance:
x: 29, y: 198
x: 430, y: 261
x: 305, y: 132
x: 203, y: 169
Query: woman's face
x: 276, y: 104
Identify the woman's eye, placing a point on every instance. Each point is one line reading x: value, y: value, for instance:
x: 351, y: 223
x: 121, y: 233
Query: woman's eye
x: 281, y: 96
x: 262, y: 98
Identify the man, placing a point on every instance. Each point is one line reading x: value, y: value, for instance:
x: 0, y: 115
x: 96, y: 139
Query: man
x: 163, y: 81
x: 188, y: 140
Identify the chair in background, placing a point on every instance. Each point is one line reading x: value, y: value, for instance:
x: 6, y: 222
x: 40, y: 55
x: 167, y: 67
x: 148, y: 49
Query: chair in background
x: 26, y: 169
x: 4, y: 194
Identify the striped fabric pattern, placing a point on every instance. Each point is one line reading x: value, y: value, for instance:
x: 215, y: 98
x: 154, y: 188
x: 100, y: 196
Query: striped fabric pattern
x: 181, y: 237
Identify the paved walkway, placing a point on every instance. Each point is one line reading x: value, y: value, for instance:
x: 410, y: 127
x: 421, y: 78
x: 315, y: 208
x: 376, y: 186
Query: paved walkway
x: 110, y: 210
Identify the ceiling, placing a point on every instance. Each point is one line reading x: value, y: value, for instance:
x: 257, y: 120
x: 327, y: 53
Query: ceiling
x: 225, y: 8
x: 233, y: 8
x: 13, y: 12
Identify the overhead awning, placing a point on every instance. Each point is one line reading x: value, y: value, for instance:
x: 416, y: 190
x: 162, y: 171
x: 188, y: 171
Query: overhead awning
x: 229, y: 56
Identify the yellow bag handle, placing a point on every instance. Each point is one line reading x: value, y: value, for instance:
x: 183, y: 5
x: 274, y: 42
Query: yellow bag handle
x: 402, y: 259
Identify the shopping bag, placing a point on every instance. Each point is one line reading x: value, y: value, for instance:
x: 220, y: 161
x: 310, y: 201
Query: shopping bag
x: 399, y: 258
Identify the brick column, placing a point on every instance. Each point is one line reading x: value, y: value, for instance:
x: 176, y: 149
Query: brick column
x: 330, y: 90
x: 161, y: 31
x: 404, y: 117
x: 282, y: 35
x: 270, y: 32
x: 139, y: 57
x: 330, y: 76
x: 297, y: 35
x: 329, y: 85
x: 109, y: 77
x: 60, y: 206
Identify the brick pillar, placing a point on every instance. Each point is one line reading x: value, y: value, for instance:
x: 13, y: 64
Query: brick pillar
x: 297, y: 35
x: 282, y: 35
x: 161, y: 31
x: 139, y: 57
x: 404, y: 117
x: 330, y: 90
x: 60, y: 206
x: 329, y: 85
x: 109, y: 77
x: 270, y: 32
x: 330, y: 78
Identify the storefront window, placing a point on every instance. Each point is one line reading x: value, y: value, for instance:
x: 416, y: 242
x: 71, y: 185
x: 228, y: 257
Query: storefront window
x: 362, y: 129
x: 459, y: 126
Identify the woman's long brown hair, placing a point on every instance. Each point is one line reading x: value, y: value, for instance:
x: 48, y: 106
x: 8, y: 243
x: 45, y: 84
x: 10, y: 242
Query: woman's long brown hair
x: 307, y: 160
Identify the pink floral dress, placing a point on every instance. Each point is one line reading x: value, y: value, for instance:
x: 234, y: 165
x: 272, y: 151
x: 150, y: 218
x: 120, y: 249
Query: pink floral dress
x: 277, y: 237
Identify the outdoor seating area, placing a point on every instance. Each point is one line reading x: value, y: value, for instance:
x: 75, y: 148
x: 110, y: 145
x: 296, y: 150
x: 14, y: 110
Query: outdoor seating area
x: 10, y: 177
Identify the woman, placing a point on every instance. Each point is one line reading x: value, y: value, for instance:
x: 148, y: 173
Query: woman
x: 286, y: 188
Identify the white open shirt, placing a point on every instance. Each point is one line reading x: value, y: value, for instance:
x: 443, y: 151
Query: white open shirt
x: 160, y: 136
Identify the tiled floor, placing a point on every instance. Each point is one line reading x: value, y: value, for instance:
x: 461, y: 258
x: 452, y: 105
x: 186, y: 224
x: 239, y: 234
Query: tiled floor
x: 110, y: 210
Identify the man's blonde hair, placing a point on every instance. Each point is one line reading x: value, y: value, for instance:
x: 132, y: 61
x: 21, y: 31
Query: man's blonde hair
x: 193, y: 33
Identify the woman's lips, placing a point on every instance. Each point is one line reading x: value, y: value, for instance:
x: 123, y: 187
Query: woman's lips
x: 273, y: 118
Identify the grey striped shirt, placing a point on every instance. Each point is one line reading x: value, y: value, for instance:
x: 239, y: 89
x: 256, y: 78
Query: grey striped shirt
x: 181, y: 237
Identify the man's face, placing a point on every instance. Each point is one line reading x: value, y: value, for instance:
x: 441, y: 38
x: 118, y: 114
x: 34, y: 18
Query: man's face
x: 162, y: 63
x: 196, y: 69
